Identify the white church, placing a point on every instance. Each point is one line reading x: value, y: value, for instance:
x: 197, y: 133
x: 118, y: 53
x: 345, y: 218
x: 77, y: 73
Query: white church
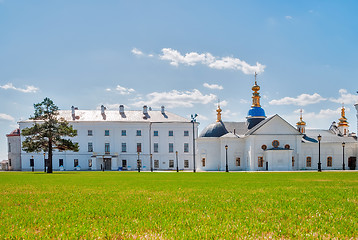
x: 272, y: 144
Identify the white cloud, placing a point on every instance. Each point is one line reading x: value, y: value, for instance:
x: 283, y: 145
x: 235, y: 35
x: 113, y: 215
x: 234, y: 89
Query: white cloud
x: 244, y: 101
x: 202, y: 118
x: 121, y: 90
x: 301, y: 100
x: 4, y: 116
x: 213, y: 86
x: 137, y: 52
x: 346, y: 98
x: 176, y: 98
x: 28, y: 89
x: 222, y: 103
x: 193, y: 58
x: 289, y: 17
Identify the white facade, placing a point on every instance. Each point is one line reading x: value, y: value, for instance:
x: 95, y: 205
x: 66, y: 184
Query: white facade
x: 272, y: 144
x: 112, y: 139
x: 14, y: 150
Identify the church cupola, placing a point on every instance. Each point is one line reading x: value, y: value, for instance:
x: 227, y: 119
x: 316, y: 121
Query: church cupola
x: 256, y: 113
x: 343, y: 124
x: 301, y: 125
x: 218, y: 118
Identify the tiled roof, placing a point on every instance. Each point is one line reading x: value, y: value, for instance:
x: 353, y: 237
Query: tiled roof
x: 16, y: 132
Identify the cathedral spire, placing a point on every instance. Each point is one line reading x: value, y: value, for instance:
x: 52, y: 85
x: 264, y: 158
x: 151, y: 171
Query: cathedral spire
x: 256, y: 95
x: 218, y: 119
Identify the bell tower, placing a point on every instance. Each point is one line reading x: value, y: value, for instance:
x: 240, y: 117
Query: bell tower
x: 256, y: 114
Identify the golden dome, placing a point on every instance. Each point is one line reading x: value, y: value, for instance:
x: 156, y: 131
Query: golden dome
x: 256, y: 87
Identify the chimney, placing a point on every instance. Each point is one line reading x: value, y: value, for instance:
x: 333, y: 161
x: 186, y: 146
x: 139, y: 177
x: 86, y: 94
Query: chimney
x: 103, y: 108
x: 234, y: 131
x: 163, y: 110
x: 145, y: 109
x: 121, y: 109
x: 73, y: 113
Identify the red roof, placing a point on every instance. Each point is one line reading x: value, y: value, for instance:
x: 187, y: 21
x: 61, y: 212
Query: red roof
x: 16, y: 132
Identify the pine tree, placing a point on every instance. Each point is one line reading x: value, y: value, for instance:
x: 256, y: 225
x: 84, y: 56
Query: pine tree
x: 48, y: 132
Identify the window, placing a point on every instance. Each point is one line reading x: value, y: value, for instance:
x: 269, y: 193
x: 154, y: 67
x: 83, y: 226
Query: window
x: 264, y: 147
x: 171, y: 163
x: 260, y: 161
x: 75, y: 162
x: 106, y: 132
x: 155, y: 134
x: 275, y: 143
x: 10, y: 162
x: 124, y: 164
x: 186, y: 147
x: 293, y: 161
x: 237, y: 162
x: 9, y: 148
x: 106, y: 147
x: 156, y: 163
x: 186, y: 163
x: 203, y: 162
x: 186, y: 133
x: 90, y: 147
x: 308, y: 162
x: 171, y: 133
x: 124, y: 147
x: 287, y: 146
x: 171, y: 147
x: 90, y: 133
x: 329, y: 162
x: 124, y: 133
x: 139, y: 147
x: 89, y: 162
x: 155, y: 147
x: 139, y: 133
x: 60, y: 162
x: 31, y: 162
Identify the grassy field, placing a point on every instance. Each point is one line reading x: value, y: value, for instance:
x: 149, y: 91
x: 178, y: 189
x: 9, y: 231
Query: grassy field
x: 179, y: 205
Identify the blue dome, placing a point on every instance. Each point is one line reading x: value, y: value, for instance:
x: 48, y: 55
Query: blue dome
x: 256, y: 112
x: 214, y: 130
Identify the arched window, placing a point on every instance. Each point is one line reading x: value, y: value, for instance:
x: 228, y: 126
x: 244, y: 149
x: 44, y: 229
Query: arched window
x: 308, y: 162
x: 203, y: 162
x: 264, y: 147
x: 287, y: 146
x: 329, y: 162
x: 238, y: 162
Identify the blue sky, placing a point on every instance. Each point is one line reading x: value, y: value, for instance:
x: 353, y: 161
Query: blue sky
x: 182, y: 54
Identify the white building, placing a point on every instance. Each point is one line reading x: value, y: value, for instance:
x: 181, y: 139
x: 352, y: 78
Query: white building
x: 115, y: 140
x: 262, y: 143
x: 14, y: 151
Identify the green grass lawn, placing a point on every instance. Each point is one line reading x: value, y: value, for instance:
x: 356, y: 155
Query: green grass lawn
x: 178, y: 205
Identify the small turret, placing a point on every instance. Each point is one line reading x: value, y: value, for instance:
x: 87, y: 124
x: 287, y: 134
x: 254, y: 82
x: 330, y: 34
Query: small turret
x: 343, y: 124
x: 218, y: 119
x: 301, y: 125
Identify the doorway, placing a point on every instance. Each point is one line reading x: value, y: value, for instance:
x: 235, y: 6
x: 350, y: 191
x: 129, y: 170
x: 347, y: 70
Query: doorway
x: 107, y: 163
x: 352, y: 162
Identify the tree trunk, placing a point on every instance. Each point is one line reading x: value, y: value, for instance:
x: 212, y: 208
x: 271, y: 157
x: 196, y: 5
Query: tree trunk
x: 49, y: 167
